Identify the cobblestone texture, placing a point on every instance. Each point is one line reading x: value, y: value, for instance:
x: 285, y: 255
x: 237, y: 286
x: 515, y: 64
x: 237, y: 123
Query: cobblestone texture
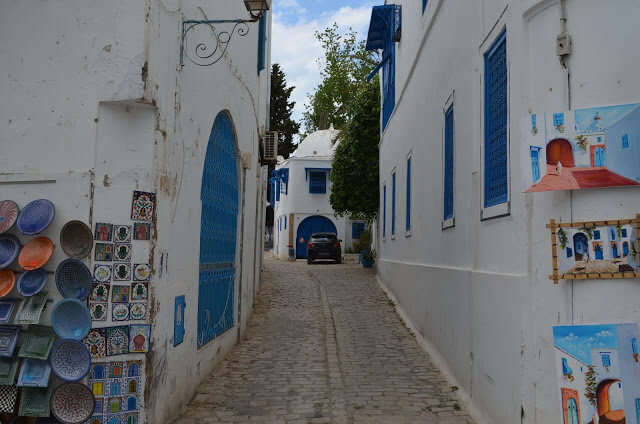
x: 324, y: 345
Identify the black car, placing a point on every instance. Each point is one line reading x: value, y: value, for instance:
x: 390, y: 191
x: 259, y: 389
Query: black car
x: 324, y: 246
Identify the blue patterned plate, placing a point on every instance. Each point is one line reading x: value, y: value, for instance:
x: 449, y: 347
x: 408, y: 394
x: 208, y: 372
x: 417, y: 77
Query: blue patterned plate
x: 70, y: 360
x: 31, y: 282
x: 8, y: 338
x: 73, y: 279
x: 36, y: 217
x: 34, y: 373
x: 6, y: 309
x: 71, y: 319
x: 9, y: 249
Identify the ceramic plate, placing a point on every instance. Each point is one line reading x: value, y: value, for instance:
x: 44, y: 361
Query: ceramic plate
x: 8, y: 338
x: 70, y: 360
x: 72, y: 403
x: 9, y: 249
x: 36, y: 217
x: 36, y: 253
x: 6, y: 309
x: 31, y: 282
x: 71, y: 319
x: 73, y: 279
x: 34, y: 373
x: 8, y: 215
x: 7, y: 281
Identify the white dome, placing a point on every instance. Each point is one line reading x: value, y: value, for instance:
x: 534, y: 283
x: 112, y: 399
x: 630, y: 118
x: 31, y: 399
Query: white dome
x: 319, y: 144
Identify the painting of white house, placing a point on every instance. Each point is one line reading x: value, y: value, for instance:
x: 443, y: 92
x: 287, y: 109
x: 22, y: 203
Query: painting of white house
x: 598, y: 373
x: 585, y: 148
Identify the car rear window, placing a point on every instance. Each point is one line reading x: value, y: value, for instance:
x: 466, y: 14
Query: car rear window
x: 323, y: 237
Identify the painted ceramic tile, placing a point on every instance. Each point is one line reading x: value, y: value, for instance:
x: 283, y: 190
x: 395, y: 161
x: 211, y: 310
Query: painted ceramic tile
x: 115, y: 388
x: 123, y: 252
x: 103, y: 232
x: 142, y: 206
x: 99, y: 406
x: 117, y: 340
x: 37, y: 342
x: 8, y: 370
x: 35, y: 401
x: 139, y: 335
x: 139, y: 291
x: 597, y: 369
x: 97, y: 419
x: 114, y: 405
x: 585, y: 148
x: 141, y: 272
x: 100, y: 293
x: 134, y: 368
x: 8, y: 397
x: 130, y: 403
x: 132, y: 386
x: 119, y: 294
x: 99, y: 371
x: 131, y: 418
x: 96, y: 342
x: 122, y: 233
x: 34, y: 373
x: 98, y: 388
x: 102, y: 273
x: 122, y: 272
x: 8, y: 339
x: 103, y: 252
x: 6, y: 309
x: 115, y: 419
x: 116, y: 369
x: 141, y: 231
x: 137, y: 311
x: 119, y: 312
x: 98, y: 311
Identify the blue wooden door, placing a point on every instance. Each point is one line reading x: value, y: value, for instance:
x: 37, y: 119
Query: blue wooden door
x: 312, y: 224
x: 572, y: 411
x: 638, y: 410
x: 598, y: 157
x: 614, y: 250
x: 598, y: 250
x: 625, y: 249
x: 581, y: 246
x: 535, y: 165
x: 218, y: 233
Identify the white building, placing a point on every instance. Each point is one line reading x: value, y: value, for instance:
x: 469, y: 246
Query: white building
x: 300, y: 191
x: 101, y: 99
x: 465, y: 253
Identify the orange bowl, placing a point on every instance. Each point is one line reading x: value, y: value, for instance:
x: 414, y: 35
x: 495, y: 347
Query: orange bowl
x: 36, y: 253
x: 7, y: 281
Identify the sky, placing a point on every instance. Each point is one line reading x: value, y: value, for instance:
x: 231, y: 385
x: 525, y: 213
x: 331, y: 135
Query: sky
x: 609, y: 115
x: 578, y: 340
x: 293, y: 43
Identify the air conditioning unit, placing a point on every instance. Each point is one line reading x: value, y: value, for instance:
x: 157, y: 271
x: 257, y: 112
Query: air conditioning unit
x: 270, y: 146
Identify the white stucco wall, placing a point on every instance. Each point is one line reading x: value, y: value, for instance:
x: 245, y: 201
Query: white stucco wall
x: 479, y: 292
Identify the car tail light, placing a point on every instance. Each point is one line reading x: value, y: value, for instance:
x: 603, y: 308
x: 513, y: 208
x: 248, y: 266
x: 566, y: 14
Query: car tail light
x: 337, y: 244
x: 310, y: 245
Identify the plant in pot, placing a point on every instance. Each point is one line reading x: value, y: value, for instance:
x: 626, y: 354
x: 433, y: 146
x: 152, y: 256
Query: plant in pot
x: 368, y: 256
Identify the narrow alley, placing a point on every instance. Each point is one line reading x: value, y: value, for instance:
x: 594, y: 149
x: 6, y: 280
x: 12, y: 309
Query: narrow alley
x: 325, y: 345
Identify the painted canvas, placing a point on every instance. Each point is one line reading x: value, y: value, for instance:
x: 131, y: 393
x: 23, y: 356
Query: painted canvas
x: 585, y: 148
x: 593, y: 250
x: 598, y: 373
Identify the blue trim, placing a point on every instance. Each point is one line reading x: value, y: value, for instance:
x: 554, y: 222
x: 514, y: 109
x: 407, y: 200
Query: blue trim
x: 393, y: 203
x: 424, y: 5
x: 408, y: 211
x: 625, y: 141
x: 262, y: 42
x: 448, y: 163
x: 384, y: 211
x: 558, y: 119
x: 178, y: 320
x: 385, y: 24
x: 495, y: 122
x: 317, y: 182
x: 307, y: 170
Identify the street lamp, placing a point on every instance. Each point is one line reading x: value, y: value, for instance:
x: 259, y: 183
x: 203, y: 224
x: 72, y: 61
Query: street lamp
x: 256, y: 8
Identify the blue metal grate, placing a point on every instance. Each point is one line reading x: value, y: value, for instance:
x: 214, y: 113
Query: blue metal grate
x: 317, y: 182
x: 384, y: 211
x: 495, y: 120
x: 408, y: 212
x: 558, y: 119
x: 393, y: 203
x: 388, y: 83
x: 356, y: 229
x: 218, y: 233
x: 262, y: 42
x: 448, y: 163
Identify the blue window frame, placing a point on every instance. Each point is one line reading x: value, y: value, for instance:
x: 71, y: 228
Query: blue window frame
x: 596, y: 234
x: 566, y: 369
x: 388, y: 83
x: 613, y: 234
x: 408, y: 211
x: 625, y: 141
x: 356, y: 229
x: 393, y: 203
x: 424, y: 5
x: 317, y: 182
x: 262, y: 42
x: 634, y: 346
x: 599, y: 139
x: 569, y: 252
x: 495, y: 121
x: 384, y: 211
x: 558, y: 119
x: 448, y: 163
x: 606, y: 360
x: 623, y: 232
x: 285, y: 222
x: 534, y: 120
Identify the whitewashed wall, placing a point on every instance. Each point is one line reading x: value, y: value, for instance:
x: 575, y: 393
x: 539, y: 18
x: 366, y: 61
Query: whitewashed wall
x: 479, y: 292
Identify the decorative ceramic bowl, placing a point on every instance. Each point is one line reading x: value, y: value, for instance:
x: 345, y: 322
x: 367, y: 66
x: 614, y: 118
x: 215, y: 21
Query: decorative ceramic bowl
x: 7, y: 281
x: 72, y: 403
x: 70, y: 360
x: 36, y: 253
x: 36, y: 217
x: 73, y: 279
x: 76, y: 239
x: 9, y: 249
x: 8, y: 215
x: 31, y: 282
x: 71, y: 319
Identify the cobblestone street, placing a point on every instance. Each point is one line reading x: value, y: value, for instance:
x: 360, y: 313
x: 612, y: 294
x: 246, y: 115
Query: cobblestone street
x: 325, y: 345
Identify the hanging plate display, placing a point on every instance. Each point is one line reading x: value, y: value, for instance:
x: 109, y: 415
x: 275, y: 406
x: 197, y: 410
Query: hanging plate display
x: 6, y: 309
x: 71, y: 319
x: 8, y: 397
x: 76, y: 239
x: 72, y: 403
x: 36, y: 217
x: 8, y: 338
x: 70, y: 360
x: 29, y: 311
x: 9, y: 249
x: 32, y: 282
x: 8, y: 215
x: 36, y: 253
x: 34, y: 402
x: 37, y: 342
x: 7, y: 281
x: 34, y: 373
x: 73, y: 279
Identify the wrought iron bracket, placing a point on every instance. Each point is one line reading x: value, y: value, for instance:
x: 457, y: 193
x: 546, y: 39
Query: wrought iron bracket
x: 201, y: 54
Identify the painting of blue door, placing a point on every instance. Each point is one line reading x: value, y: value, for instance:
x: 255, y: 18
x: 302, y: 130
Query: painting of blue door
x: 572, y: 411
x: 598, y: 250
x: 638, y: 410
x: 614, y: 250
x: 625, y: 249
x: 535, y: 164
x: 218, y: 232
x: 581, y: 246
x: 310, y: 225
x: 598, y: 157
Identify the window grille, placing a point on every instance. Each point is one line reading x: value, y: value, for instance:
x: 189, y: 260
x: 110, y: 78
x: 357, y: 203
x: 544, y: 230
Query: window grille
x: 356, y: 229
x: 393, y: 204
x: 317, y: 182
x: 558, y: 119
x: 408, y: 211
x: 448, y: 163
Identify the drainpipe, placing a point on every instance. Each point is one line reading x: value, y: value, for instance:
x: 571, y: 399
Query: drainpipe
x: 244, y: 190
x: 563, y: 50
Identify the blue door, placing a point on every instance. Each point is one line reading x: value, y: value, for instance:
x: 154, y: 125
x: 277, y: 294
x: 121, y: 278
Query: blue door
x: 638, y: 410
x: 614, y: 250
x: 572, y: 411
x: 625, y: 249
x: 598, y: 157
x: 310, y: 225
x: 535, y: 165
x: 598, y: 250
x: 581, y: 246
x: 218, y: 232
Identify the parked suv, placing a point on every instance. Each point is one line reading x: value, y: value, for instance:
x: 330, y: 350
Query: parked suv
x: 324, y: 246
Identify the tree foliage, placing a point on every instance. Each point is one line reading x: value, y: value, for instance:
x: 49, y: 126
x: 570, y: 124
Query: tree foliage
x: 281, y: 110
x: 343, y: 69
x: 354, y: 174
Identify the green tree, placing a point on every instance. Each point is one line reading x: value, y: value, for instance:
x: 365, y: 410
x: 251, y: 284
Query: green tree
x: 281, y: 110
x: 354, y: 173
x: 343, y: 69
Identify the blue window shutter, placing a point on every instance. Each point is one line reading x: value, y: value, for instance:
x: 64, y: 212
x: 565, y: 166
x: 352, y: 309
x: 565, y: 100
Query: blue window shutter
x: 317, y: 182
x: 393, y: 203
x: 495, y: 121
x: 625, y: 141
x: 285, y: 222
x: 262, y: 42
x: 384, y: 211
x: 356, y: 229
x: 634, y: 346
x: 623, y: 232
x: 388, y: 83
x: 596, y: 234
x: 448, y: 163
x: 558, y: 119
x: 569, y: 252
x: 408, y: 212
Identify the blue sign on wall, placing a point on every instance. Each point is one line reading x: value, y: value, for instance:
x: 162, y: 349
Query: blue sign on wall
x: 178, y: 320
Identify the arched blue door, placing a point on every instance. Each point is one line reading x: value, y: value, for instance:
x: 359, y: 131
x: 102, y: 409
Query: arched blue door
x: 625, y: 249
x: 310, y: 225
x: 598, y: 157
x: 598, y: 250
x: 614, y: 250
x: 581, y: 246
x: 572, y: 411
x: 218, y: 232
x: 535, y: 165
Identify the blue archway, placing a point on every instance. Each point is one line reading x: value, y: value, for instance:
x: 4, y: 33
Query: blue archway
x: 310, y: 225
x: 218, y: 232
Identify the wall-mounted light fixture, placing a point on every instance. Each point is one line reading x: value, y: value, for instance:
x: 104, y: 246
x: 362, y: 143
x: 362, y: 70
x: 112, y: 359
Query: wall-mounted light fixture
x: 204, y: 56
